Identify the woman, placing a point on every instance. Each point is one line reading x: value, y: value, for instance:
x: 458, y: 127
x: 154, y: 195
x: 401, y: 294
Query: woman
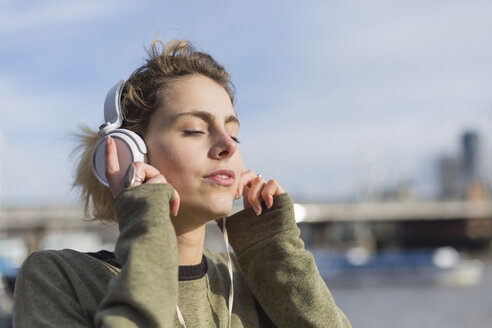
x: 159, y: 275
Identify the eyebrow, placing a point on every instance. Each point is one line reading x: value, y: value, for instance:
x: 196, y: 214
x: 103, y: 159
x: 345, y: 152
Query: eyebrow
x: 206, y: 116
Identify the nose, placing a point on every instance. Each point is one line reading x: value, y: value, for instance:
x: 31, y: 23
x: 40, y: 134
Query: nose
x: 223, y: 146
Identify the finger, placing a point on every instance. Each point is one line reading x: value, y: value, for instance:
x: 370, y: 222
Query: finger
x: 245, y: 197
x: 254, y: 195
x: 156, y: 179
x: 245, y: 179
x: 175, y: 203
x: 147, y: 172
x: 112, y: 170
x: 271, y: 189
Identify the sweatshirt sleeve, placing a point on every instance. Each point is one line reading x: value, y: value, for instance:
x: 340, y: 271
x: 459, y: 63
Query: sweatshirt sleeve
x: 44, y: 297
x: 145, y: 292
x: 281, y: 274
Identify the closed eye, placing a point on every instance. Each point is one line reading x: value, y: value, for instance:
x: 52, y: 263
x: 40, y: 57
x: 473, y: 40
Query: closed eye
x: 192, y: 132
x: 198, y: 132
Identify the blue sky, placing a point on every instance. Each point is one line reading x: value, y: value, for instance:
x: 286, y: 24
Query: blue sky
x: 332, y: 96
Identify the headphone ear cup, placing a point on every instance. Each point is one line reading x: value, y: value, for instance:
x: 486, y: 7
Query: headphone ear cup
x: 130, y: 148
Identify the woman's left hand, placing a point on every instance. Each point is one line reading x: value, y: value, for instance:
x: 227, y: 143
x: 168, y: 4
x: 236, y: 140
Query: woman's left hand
x: 254, y: 189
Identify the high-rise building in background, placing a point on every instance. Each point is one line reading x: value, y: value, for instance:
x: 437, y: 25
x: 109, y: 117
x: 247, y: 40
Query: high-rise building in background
x: 471, y: 157
x: 451, y: 177
x: 461, y: 176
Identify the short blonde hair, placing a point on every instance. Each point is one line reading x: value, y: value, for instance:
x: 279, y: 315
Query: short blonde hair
x: 140, y: 99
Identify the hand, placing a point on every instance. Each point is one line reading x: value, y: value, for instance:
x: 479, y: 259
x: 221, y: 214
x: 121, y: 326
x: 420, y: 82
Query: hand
x: 255, y: 190
x: 148, y: 173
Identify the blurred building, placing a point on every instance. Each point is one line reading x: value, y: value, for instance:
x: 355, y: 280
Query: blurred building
x: 451, y: 177
x: 461, y: 176
x: 471, y: 157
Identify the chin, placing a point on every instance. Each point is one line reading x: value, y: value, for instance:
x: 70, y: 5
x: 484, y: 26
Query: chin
x: 210, y: 208
x: 222, y: 209
x: 220, y: 206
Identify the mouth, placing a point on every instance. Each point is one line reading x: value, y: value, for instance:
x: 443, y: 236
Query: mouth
x: 221, y: 177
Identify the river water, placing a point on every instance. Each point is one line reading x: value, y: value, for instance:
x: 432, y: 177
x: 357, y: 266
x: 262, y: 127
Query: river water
x: 422, y: 306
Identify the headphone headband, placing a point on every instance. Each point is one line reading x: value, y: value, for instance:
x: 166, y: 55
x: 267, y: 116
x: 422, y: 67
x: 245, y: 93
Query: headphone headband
x: 113, y: 116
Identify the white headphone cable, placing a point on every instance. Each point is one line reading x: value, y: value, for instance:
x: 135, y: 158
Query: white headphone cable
x: 229, y: 266
x: 180, y: 317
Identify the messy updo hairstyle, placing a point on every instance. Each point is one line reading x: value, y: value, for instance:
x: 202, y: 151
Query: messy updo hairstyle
x: 141, y: 97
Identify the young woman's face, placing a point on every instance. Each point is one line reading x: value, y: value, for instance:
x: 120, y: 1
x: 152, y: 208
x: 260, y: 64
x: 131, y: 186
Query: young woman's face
x: 191, y: 140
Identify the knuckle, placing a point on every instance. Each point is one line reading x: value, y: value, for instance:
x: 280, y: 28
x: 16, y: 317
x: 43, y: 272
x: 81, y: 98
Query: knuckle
x: 156, y: 179
x: 259, y: 191
x: 109, y: 172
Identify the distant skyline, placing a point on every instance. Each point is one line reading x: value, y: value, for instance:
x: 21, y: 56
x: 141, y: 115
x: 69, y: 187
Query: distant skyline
x: 331, y: 96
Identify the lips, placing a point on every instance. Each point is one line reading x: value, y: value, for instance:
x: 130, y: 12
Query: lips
x: 221, y: 177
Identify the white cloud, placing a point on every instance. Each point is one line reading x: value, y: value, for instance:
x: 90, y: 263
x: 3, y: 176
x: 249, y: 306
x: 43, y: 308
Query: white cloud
x: 26, y: 111
x: 35, y: 143
x: 30, y: 108
x: 52, y: 13
x: 416, y: 31
x: 35, y: 173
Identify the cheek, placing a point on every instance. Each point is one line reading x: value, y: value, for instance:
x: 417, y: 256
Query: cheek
x: 177, y: 164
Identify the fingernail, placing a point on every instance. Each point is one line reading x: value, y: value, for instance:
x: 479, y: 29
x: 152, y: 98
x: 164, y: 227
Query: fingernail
x: 108, y: 140
x: 258, y: 208
x: 257, y: 211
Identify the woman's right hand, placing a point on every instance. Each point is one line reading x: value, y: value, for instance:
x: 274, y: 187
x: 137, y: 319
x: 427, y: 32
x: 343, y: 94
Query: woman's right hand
x: 148, y: 173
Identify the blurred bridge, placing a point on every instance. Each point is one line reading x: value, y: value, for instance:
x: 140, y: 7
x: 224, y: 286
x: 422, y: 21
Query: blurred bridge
x: 393, y: 211
x: 33, y: 224
x: 72, y: 218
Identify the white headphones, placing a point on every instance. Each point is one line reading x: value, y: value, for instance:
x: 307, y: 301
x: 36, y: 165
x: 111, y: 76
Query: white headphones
x: 130, y: 146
